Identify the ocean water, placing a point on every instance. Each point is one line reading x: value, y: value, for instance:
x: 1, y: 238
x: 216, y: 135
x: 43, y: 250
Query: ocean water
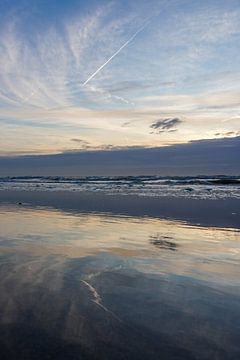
x: 96, y: 286
x: 202, y: 187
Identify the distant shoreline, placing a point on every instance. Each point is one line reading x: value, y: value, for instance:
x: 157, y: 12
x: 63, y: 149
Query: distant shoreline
x: 219, y: 213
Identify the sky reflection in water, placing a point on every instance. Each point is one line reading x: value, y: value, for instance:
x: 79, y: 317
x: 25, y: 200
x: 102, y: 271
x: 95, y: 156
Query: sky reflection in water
x: 96, y: 286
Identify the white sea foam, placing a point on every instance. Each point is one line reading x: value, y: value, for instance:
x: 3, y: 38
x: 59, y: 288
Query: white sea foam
x: 218, y: 187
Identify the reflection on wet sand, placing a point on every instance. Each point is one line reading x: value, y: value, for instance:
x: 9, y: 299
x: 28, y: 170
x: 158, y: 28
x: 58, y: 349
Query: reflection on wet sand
x: 94, y: 286
x: 163, y: 242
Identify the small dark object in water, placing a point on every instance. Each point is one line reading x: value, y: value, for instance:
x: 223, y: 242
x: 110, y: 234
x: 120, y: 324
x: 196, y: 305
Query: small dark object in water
x: 19, y: 203
x: 188, y: 189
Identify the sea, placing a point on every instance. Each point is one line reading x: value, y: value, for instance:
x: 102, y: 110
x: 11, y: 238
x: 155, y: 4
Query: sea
x: 199, y: 187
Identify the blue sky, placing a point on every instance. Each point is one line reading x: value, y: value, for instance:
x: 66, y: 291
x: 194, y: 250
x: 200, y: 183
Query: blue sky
x: 176, y: 80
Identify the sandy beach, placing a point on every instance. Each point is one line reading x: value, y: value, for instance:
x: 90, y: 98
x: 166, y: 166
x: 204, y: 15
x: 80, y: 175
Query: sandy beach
x: 223, y: 213
x: 96, y: 276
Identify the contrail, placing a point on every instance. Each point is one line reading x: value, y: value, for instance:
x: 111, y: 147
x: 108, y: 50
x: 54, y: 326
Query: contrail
x: 116, y: 53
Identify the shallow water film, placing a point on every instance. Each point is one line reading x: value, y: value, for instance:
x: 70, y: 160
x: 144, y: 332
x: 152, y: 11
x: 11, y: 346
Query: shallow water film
x: 100, y: 286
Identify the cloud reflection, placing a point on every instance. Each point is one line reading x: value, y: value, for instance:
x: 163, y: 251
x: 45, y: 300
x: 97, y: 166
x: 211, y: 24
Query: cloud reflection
x: 94, y: 286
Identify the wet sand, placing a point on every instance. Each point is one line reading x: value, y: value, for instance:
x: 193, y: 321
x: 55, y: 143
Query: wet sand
x: 223, y: 213
x: 80, y: 281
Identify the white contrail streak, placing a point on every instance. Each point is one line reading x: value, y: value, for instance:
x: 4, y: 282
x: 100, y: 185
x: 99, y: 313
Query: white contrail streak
x: 116, y: 53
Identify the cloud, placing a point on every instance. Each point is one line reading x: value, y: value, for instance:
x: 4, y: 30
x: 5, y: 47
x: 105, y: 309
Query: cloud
x: 165, y: 125
x: 83, y: 144
x: 104, y: 147
x: 209, y: 25
x: 215, y: 156
x: 228, y: 134
x: 197, y: 101
x: 164, y: 71
x: 126, y: 123
x: 137, y: 85
x: 46, y: 68
x: 81, y: 141
x: 107, y: 95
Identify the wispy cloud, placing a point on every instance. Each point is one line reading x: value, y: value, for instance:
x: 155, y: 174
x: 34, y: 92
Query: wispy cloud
x: 184, y: 67
x: 47, y: 70
x: 197, y: 101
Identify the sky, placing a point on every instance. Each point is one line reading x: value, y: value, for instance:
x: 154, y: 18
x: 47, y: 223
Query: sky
x: 115, y: 75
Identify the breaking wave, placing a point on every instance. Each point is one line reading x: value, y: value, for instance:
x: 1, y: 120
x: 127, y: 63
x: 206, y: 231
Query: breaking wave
x: 213, y: 187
